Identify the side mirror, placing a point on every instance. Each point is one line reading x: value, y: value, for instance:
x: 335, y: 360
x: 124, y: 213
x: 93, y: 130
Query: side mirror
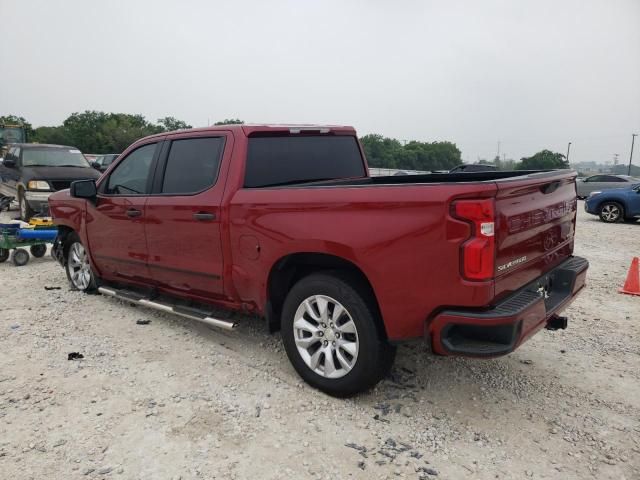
x: 9, y: 162
x: 95, y: 165
x: 84, y: 189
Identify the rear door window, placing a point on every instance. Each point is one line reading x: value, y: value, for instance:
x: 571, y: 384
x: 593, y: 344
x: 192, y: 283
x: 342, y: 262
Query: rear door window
x: 192, y: 165
x: 282, y: 160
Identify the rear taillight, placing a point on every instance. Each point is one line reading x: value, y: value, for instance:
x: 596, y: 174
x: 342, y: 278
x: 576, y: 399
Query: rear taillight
x: 478, y: 252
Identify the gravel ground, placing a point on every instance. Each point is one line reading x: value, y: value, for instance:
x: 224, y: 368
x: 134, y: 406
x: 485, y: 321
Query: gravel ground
x: 176, y: 400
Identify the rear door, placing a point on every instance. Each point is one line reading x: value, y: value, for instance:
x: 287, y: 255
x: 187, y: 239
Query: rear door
x: 611, y: 181
x: 184, y: 217
x: 115, y: 224
x: 535, y: 225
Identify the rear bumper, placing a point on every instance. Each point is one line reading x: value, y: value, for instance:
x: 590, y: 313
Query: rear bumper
x: 501, y: 329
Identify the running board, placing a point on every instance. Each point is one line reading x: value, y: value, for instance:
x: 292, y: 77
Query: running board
x: 185, y: 312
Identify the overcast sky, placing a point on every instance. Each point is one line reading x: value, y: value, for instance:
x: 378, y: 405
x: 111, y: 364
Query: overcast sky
x: 530, y: 74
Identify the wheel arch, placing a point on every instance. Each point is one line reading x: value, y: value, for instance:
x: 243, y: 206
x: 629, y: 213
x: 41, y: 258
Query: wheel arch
x: 617, y: 201
x: 60, y: 244
x: 290, y: 268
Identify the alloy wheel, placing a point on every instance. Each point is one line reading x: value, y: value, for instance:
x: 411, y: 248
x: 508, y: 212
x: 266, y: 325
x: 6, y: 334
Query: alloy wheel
x: 23, y: 209
x: 79, y: 267
x: 610, y: 213
x: 326, y: 336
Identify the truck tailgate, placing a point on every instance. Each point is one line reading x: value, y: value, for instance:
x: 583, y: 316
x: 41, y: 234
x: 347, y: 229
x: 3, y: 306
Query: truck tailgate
x: 535, y: 225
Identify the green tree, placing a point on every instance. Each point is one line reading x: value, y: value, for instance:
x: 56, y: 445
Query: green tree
x: 169, y: 124
x: 100, y: 132
x: 230, y: 121
x: 381, y: 151
x: 387, y: 152
x: 54, y: 135
x: 543, y: 160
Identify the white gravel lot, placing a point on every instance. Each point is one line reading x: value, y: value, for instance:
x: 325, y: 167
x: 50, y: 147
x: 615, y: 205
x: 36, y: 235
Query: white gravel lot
x: 177, y: 400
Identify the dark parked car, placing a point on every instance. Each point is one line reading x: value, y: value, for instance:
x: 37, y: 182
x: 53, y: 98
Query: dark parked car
x: 615, y: 204
x: 31, y: 172
x: 102, y: 162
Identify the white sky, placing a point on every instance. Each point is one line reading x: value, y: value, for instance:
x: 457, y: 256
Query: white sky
x: 532, y: 74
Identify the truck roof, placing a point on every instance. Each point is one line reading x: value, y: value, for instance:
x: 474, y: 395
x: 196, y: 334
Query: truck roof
x: 249, y: 129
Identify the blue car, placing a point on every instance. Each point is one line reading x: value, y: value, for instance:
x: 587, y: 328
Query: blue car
x: 615, y: 205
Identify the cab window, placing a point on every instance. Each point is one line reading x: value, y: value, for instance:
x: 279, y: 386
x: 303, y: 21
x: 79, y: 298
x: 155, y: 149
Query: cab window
x: 131, y: 176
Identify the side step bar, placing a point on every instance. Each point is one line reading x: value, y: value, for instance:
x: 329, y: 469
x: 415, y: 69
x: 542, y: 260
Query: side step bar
x: 191, y: 314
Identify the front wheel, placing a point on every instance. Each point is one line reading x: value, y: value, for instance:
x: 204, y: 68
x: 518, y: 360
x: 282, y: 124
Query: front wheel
x: 4, y: 255
x: 20, y: 257
x: 332, y: 337
x: 25, y: 210
x: 611, y: 212
x: 77, y: 266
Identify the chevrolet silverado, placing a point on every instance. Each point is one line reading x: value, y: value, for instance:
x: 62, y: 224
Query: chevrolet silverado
x: 286, y: 223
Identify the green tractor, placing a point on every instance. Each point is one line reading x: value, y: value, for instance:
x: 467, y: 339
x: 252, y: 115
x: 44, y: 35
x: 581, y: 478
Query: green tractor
x: 11, y: 134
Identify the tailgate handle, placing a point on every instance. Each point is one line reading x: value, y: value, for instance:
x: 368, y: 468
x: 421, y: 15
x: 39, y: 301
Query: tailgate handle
x: 550, y: 187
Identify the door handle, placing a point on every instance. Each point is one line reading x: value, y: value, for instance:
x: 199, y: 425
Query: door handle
x: 204, y: 216
x: 132, y: 212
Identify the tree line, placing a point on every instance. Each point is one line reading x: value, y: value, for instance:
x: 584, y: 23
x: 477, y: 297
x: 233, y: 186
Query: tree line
x: 101, y: 132
x: 388, y: 152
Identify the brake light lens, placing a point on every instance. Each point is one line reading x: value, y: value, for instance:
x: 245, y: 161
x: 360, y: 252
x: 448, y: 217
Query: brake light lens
x: 478, y: 252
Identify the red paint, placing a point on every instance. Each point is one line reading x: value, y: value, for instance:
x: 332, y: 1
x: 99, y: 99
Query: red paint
x: 404, y: 238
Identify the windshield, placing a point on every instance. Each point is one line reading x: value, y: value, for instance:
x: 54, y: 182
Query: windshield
x: 53, y: 157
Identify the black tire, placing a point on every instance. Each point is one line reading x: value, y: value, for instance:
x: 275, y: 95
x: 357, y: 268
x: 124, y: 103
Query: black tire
x: 26, y: 211
x: 375, y: 355
x: 20, y: 257
x: 72, y: 239
x: 611, y: 212
x: 4, y: 255
x: 38, y: 251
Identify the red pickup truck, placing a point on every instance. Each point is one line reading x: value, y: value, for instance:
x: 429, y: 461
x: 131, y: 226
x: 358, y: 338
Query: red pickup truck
x: 285, y: 222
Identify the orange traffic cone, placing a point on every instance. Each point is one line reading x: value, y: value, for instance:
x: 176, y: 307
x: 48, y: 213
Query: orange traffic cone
x: 632, y: 285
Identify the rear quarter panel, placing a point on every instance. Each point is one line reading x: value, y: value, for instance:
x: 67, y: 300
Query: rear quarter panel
x: 401, y: 237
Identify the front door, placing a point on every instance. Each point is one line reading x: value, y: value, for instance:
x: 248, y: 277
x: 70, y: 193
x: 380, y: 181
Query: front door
x: 183, y: 215
x: 115, y: 224
x: 9, y: 176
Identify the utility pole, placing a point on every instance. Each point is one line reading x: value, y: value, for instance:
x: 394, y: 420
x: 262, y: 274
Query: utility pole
x: 568, y: 150
x: 633, y: 139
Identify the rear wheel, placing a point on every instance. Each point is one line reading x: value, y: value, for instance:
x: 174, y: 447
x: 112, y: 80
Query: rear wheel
x: 77, y: 266
x: 611, y: 212
x: 4, y: 255
x: 332, y: 337
x: 38, y: 251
